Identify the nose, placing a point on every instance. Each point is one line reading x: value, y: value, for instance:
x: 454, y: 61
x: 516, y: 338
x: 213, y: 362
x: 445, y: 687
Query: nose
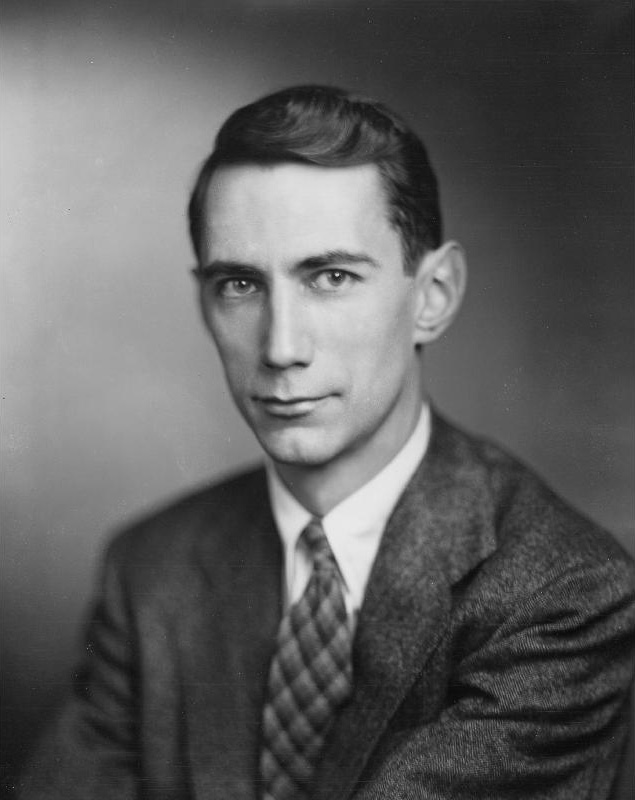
x: 286, y: 339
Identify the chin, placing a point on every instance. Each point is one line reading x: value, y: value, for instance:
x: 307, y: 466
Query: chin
x: 293, y: 448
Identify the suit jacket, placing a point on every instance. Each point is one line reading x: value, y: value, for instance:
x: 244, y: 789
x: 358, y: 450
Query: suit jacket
x: 492, y: 658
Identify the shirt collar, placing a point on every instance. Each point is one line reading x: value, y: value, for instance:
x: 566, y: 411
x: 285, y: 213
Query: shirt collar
x: 354, y: 527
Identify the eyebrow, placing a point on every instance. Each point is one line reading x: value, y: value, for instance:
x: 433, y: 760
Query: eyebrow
x: 330, y: 258
x: 333, y: 257
x: 222, y: 268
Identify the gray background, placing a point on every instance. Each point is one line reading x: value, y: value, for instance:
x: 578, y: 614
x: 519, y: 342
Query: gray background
x: 112, y: 396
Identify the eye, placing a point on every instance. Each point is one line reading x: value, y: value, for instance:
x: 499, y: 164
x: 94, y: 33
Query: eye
x: 236, y: 287
x: 330, y: 280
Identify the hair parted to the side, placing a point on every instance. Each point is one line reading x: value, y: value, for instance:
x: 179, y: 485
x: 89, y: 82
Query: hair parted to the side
x: 330, y: 127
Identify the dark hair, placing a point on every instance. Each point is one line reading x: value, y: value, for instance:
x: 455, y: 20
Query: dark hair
x: 330, y: 127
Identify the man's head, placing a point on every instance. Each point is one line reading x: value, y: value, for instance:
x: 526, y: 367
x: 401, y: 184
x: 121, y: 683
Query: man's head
x: 303, y: 286
x: 329, y: 127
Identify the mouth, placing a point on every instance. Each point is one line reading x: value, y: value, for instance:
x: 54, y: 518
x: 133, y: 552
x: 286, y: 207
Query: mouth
x: 288, y: 407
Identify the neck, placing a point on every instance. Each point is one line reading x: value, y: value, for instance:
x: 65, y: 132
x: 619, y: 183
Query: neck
x: 320, y: 488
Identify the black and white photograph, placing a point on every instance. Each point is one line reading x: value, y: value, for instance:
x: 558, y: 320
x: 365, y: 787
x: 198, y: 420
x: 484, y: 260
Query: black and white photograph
x: 317, y: 400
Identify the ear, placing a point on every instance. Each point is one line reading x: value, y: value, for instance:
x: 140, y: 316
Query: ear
x: 439, y: 285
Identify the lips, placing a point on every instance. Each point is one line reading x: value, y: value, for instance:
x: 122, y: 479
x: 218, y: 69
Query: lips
x: 290, y: 406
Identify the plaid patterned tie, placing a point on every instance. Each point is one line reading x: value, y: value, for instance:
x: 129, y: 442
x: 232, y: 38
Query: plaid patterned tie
x: 309, y: 678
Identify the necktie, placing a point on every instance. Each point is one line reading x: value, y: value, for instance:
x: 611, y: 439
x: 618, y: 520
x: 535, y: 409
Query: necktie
x: 309, y: 679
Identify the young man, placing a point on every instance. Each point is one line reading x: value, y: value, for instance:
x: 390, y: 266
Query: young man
x: 391, y: 608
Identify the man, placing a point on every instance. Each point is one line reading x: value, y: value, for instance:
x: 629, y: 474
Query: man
x: 392, y: 608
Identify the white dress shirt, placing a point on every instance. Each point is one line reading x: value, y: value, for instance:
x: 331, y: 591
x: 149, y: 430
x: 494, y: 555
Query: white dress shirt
x: 353, y: 528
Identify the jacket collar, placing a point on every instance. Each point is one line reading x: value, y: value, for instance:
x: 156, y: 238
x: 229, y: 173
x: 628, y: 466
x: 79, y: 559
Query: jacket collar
x: 227, y: 650
x: 441, y: 529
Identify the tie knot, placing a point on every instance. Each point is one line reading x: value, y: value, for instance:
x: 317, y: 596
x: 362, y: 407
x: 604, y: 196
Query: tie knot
x: 317, y: 544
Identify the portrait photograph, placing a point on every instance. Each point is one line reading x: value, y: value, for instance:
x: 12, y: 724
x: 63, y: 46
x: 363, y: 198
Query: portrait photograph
x: 317, y: 399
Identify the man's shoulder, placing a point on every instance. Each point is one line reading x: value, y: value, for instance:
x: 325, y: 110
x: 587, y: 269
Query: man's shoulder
x: 533, y: 526
x: 211, y: 513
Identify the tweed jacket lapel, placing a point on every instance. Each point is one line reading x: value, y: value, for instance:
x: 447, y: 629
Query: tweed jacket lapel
x: 233, y: 624
x: 441, y: 528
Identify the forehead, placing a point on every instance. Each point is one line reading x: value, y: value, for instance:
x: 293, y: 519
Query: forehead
x: 289, y: 211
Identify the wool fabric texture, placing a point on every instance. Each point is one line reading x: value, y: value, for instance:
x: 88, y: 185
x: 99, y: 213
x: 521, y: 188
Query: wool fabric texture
x: 493, y: 655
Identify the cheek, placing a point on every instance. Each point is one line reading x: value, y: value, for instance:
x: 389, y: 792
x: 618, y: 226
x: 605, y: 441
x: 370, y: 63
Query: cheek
x: 233, y: 361
x: 234, y: 340
x: 381, y: 336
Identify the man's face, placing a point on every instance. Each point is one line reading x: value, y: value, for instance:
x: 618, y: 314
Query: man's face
x: 306, y: 297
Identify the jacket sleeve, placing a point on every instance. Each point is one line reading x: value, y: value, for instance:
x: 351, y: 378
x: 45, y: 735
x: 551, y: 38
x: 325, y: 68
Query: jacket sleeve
x: 538, y: 710
x: 91, y: 751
